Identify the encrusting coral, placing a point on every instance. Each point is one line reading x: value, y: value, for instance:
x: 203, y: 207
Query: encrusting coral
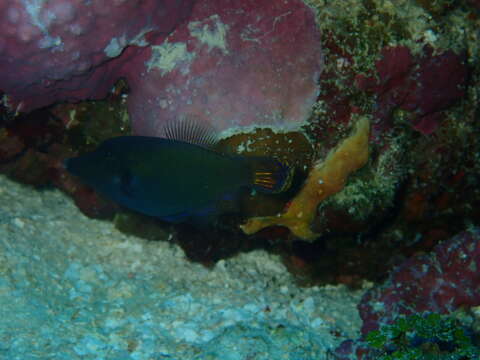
x: 325, y: 179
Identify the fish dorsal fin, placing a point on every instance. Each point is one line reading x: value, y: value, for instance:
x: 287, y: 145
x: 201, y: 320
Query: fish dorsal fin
x: 191, y: 129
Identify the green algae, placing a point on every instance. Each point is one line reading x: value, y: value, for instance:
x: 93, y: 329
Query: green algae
x: 431, y: 336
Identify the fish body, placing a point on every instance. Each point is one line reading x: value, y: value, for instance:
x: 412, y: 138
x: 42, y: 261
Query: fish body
x: 172, y: 179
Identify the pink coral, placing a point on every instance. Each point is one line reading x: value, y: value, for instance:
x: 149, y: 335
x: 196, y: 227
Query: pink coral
x: 234, y: 63
x: 425, y: 86
x: 71, y: 50
x: 439, y: 282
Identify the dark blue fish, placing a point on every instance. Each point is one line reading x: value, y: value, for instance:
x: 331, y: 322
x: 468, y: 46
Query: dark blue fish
x: 174, y: 179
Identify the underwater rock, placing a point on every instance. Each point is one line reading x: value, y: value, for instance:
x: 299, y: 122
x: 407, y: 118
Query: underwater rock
x: 89, y: 202
x: 11, y: 146
x: 26, y: 147
x: 438, y: 8
x: 475, y: 4
x: 68, y: 50
x: 234, y: 64
x: 85, y: 126
x: 423, y: 86
x: 441, y: 282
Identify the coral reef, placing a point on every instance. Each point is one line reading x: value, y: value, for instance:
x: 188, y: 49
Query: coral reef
x: 86, y: 125
x: 25, y: 146
x: 412, y: 70
x: 235, y: 64
x: 419, y: 186
x: 475, y: 3
x: 419, y: 337
x: 326, y: 178
x: 62, y: 50
x: 443, y: 282
x: 34, y: 145
x: 439, y: 282
x: 422, y: 86
x: 232, y: 64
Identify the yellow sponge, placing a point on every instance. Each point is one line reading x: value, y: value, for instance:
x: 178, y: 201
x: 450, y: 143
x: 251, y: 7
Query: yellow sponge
x: 325, y: 179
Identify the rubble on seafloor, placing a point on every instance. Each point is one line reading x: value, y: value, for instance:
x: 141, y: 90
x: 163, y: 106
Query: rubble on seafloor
x: 77, y: 288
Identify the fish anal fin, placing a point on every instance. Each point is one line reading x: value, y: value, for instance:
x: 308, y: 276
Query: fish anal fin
x: 176, y: 218
x: 202, y: 216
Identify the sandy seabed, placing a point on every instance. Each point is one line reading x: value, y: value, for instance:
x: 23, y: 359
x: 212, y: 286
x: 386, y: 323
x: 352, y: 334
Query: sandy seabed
x: 76, y: 288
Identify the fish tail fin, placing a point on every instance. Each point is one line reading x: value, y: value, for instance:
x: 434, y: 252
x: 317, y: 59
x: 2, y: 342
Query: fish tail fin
x: 271, y: 175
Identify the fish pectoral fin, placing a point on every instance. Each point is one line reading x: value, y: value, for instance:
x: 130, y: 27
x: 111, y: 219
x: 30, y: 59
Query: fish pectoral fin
x: 126, y: 184
x: 271, y: 175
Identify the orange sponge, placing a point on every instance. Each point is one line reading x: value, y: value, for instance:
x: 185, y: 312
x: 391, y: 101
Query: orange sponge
x: 325, y: 179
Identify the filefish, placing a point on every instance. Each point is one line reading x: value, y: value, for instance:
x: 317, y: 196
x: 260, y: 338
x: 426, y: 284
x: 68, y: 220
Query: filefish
x: 176, y: 177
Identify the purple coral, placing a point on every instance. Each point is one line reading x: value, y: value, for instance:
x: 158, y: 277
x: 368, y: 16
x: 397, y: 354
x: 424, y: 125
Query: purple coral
x: 440, y: 282
x: 72, y: 50
x: 424, y: 86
